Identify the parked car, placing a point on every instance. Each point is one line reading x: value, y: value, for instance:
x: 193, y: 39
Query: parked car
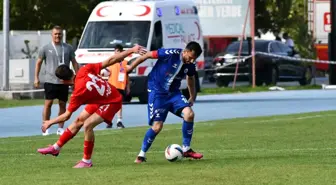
x: 209, y: 74
x: 269, y: 69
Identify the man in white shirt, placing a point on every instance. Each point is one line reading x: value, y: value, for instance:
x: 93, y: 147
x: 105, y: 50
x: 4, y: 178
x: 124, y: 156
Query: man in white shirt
x: 289, y: 41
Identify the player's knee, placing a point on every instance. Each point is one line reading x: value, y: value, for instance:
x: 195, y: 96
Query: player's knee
x: 62, y: 104
x: 48, y: 104
x: 188, y: 114
x: 79, y: 122
x: 88, y: 127
x: 157, y: 127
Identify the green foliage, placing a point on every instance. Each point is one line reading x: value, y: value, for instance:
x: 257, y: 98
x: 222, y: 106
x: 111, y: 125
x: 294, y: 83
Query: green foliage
x: 271, y: 15
x: 44, y: 14
x: 286, y: 16
x: 304, y: 41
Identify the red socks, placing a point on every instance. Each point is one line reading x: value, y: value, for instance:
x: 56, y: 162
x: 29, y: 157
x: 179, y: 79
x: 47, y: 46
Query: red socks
x: 88, y: 145
x: 88, y: 149
x: 65, y: 137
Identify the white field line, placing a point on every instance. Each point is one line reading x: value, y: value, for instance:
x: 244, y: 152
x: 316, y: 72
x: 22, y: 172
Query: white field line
x: 111, y: 132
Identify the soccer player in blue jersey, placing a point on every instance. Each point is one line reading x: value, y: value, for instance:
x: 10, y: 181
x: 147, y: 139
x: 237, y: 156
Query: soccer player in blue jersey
x: 164, y: 95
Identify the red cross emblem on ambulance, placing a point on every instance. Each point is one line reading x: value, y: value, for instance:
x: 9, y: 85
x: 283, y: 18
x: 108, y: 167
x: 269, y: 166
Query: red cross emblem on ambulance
x: 327, y: 22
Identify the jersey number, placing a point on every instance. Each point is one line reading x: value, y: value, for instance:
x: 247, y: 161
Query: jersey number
x: 93, y: 83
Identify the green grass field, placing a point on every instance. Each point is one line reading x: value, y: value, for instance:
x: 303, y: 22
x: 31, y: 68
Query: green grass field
x: 294, y: 149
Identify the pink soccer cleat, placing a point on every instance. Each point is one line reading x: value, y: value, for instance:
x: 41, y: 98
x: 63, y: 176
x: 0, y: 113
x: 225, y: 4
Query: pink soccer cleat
x: 49, y: 150
x: 140, y: 159
x: 82, y: 164
x: 192, y: 154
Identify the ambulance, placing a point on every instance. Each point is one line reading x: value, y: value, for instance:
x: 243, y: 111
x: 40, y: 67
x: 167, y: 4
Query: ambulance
x: 153, y: 24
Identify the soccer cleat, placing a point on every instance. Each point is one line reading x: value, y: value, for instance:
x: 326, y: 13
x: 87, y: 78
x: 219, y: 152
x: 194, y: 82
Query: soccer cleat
x: 120, y: 125
x: 140, y: 159
x: 60, y: 131
x: 49, y: 150
x: 82, y: 164
x: 191, y: 154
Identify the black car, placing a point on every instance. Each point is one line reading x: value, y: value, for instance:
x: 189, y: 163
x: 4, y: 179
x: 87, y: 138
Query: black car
x: 269, y: 69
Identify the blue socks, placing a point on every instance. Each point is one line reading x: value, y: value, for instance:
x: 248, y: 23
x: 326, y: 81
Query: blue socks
x: 187, y: 131
x: 148, y: 140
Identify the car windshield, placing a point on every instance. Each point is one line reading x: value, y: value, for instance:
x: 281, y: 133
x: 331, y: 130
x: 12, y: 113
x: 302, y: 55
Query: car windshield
x: 234, y: 47
x: 107, y: 34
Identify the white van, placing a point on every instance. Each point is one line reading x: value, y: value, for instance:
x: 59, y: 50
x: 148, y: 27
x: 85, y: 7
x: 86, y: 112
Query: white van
x: 154, y: 24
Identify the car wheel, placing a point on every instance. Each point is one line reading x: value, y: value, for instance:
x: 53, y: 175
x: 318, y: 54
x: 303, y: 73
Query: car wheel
x: 307, y: 77
x: 143, y: 98
x: 258, y: 80
x: 127, y: 98
x: 271, y: 78
x: 222, y: 82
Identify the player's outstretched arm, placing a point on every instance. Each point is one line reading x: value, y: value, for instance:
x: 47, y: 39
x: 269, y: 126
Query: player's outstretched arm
x: 61, y: 118
x: 120, y: 56
x: 139, y: 60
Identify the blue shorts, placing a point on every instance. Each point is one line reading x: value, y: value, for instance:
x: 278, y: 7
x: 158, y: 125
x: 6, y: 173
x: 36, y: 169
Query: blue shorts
x: 160, y: 104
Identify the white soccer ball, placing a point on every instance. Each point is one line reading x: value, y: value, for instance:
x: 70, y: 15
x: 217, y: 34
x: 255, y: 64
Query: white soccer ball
x: 174, y: 152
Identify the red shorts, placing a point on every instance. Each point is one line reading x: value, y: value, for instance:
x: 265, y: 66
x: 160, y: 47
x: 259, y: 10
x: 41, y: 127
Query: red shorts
x: 107, y: 111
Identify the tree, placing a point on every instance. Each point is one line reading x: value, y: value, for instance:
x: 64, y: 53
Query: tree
x: 44, y: 14
x: 286, y: 16
x: 272, y: 15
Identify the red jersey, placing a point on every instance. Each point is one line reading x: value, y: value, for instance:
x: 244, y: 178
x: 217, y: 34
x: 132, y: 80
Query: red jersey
x: 90, y: 88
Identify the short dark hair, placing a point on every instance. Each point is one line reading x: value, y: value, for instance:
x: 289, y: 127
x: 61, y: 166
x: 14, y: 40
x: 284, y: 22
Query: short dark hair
x: 195, y: 47
x: 119, y: 47
x: 64, y: 72
x: 285, y: 34
x: 57, y: 27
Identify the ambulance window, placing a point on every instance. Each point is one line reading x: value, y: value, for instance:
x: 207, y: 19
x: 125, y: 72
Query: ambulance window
x: 157, y: 36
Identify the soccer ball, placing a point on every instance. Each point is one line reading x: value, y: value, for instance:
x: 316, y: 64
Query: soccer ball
x: 174, y: 152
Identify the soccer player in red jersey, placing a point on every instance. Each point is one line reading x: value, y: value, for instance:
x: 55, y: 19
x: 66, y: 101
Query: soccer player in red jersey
x: 102, y: 102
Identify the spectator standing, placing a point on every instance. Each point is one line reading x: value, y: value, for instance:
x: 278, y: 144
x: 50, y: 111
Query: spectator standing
x: 289, y: 40
x: 53, y: 55
x: 119, y: 79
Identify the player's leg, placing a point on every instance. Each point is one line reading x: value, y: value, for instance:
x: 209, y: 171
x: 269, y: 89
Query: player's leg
x: 70, y: 132
x: 49, y: 97
x: 119, y: 120
x: 182, y: 109
x: 105, y: 113
x: 119, y: 113
x: 63, y: 92
x: 157, y: 114
x: 187, y: 132
x: 89, y: 124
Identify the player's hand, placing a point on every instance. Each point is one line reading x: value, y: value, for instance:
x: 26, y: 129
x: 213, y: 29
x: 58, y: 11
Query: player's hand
x: 129, y: 70
x: 191, y: 101
x: 139, y: 49
x: 36, y: 83
x: 46, y: 125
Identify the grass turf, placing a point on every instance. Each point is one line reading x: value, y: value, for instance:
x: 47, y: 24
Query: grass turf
x: 292, y: 149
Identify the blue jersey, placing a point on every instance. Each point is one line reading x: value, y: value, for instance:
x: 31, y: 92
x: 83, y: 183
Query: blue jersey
x: 169, y: 70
